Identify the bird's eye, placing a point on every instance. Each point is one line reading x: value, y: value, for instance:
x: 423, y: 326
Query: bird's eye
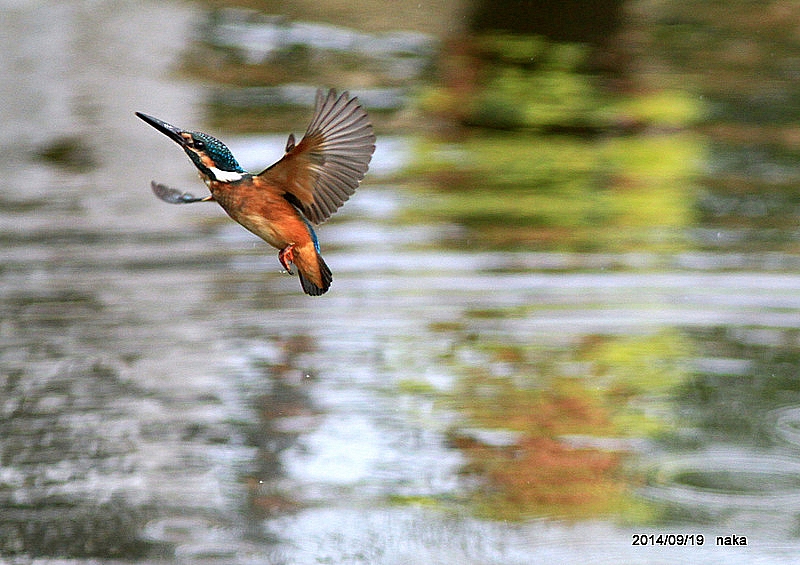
x: 199, y: 145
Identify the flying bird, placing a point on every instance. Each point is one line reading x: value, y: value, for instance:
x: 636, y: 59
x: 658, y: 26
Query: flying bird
x: 281, y: 204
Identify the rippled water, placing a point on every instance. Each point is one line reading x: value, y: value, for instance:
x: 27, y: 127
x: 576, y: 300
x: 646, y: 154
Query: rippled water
x: 166, y: 393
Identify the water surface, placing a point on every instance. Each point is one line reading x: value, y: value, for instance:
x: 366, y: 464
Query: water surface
x: 168, y: 394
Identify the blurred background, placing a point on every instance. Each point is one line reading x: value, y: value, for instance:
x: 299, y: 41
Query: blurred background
x: 566, y: 299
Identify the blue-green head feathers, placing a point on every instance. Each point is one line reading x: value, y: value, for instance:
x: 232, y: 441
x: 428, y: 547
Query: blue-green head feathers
x: 221, y: 157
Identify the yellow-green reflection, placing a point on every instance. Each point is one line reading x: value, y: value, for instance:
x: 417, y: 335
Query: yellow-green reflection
x: 564, y: 193
x: 622, y: 179
x: 572, y: 417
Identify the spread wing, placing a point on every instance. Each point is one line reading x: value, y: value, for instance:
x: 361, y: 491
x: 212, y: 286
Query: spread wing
x: 321, y: 172
x: 175, y: 196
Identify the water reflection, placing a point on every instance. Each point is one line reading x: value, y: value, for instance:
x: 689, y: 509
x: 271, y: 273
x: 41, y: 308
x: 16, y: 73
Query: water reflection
x: 537, y: 342
x: 729, y: 488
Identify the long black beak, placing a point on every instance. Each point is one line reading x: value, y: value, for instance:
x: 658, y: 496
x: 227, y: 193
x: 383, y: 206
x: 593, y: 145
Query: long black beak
x: 167, y: 129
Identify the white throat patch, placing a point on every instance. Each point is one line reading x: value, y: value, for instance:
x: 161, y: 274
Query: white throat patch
x: 225, y: 176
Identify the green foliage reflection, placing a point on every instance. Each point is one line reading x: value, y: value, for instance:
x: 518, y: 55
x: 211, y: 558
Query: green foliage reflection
x: 545, y: 156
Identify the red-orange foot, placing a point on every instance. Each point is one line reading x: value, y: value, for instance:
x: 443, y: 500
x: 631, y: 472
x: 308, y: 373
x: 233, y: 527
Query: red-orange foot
x: 286, y: 257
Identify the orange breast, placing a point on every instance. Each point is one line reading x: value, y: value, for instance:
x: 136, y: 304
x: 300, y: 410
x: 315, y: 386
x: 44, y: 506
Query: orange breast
x: 263, y: 211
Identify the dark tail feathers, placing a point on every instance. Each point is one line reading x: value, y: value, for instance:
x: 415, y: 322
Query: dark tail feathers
x: 325, y: 274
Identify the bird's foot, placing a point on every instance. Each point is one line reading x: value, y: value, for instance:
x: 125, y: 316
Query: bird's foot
x: 286, y: 257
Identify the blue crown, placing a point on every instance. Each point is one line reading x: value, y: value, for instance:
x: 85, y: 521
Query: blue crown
x: 218, y: 152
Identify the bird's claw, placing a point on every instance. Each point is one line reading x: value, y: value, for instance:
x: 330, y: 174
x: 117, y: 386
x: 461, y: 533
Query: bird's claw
x: 286, y: 257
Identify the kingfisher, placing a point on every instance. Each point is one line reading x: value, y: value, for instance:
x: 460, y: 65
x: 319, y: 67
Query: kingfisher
x: 281, y: 204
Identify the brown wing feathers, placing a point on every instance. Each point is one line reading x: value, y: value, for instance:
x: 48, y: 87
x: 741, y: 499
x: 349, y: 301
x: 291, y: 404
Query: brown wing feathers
x: 324, y: 169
